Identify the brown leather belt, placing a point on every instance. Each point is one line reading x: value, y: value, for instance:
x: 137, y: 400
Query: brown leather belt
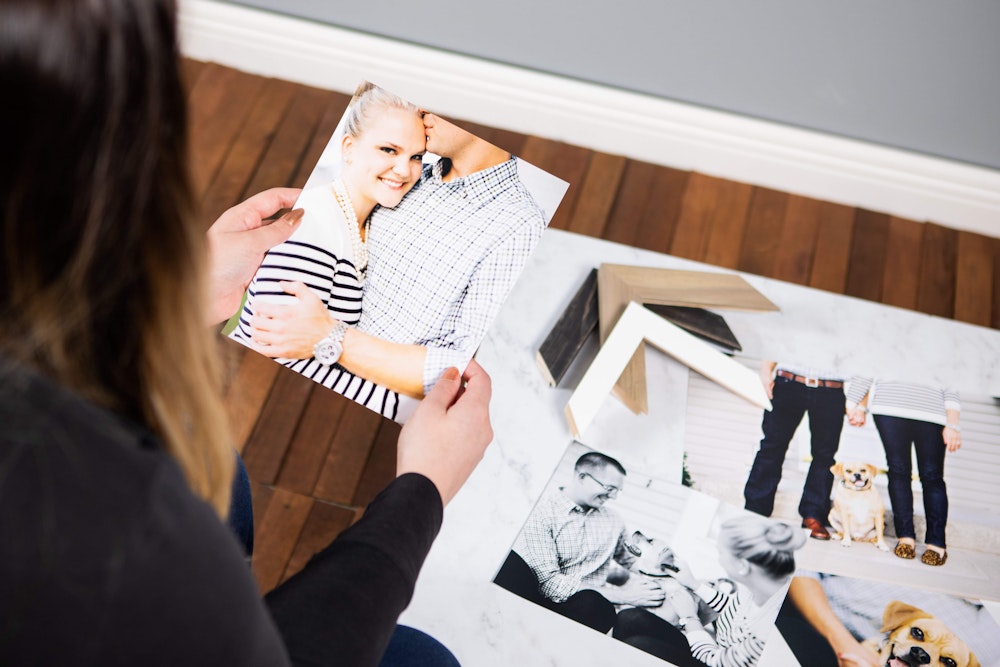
x: 811, y: 382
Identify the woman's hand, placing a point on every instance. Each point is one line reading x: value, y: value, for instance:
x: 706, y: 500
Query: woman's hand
x: 852, y: 654
x: 952, y: 439
x: 683, y: 576
x: 856, y: 416
x: 237, y: 242
x: 290, y: 331
x: 447, y: 434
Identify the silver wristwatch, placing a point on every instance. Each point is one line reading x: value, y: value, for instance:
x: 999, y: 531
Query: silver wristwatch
x: 328, y: 350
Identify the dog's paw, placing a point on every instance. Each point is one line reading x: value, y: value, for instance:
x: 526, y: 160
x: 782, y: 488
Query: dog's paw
x: 882, y: 546
x: 845, y: 543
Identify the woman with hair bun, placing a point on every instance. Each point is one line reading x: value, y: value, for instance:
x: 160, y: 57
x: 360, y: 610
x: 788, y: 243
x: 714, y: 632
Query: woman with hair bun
x: 758, y: 554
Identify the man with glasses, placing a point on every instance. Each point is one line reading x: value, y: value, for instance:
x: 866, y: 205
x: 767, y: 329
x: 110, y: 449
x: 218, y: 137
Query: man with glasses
x: 572, y: 544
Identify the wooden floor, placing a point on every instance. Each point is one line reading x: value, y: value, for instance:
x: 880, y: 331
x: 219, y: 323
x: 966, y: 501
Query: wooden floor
x: 316, y: 459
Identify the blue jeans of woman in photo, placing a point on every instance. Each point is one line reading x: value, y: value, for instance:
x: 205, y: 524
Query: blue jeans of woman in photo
x: 898, y: 436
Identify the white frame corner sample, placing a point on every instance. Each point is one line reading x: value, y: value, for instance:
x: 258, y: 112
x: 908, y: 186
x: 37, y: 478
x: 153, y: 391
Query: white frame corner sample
x: 636, y: 325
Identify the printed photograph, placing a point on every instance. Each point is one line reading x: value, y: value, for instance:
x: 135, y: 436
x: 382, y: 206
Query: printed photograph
x: 654, y: 564
x: 414, y: 233
x: 890, y: 479
x: 870, y: 622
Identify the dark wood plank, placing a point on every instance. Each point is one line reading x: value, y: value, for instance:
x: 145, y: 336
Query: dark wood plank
x: 762, y: 234
x: 868, y: 247
x: 577, y: 322
x: 508, y: 140
x: 248, y: 390
x: 190, y: 71
x: 324, y: 523
x: 564, y: 161
x: 597, y: 194
x: 974, y: 279
x: 221, y: 102
x: 728, y: 224
x: 230, y: 183
x: 711, y: 202
x: 260, y: 496
x: 276, y: 533
x: 899, y: 280
x: 630, y: 202
x: 349, y: 452
x: 995, y: 317
x: 936, y: 291
x: 380, y: 469
x: 794, y: 259
x: 656, y: 225
x: 310, y: 445
x: 265, y: 449
x: 833, y: 247
x: 332, y: 114
x: 281, y: 161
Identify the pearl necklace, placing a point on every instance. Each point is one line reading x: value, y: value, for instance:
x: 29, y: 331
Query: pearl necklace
x: 359, y: 245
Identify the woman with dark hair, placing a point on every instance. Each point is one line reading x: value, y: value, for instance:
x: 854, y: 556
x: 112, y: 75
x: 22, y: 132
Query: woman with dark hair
x: 116, y: 467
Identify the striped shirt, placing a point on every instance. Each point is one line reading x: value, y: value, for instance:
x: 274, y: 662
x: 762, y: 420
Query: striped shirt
x: 902, y: 399
x: 320, y: 255
x: 741, y: 628
x: 569, y: 547
x: 442, y: 262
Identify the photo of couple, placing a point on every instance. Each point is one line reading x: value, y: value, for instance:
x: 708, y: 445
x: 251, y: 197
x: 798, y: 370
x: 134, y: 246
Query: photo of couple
x: 658, y: 566
x: 406, y: 252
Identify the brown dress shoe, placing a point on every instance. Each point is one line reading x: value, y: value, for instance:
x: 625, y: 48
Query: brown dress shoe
x: 816, y: 529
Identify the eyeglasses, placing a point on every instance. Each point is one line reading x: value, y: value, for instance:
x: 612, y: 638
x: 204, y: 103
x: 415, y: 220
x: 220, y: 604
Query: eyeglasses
x: 612, y: 491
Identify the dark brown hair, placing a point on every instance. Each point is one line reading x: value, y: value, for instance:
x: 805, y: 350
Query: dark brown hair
x: 103, y: 262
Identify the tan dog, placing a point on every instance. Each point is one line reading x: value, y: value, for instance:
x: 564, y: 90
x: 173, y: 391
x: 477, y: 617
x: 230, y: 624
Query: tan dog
x: 858, y: 512
x: 917, y: 638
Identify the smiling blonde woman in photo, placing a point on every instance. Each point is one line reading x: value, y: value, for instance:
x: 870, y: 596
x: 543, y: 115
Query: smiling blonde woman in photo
x: 382, y: 150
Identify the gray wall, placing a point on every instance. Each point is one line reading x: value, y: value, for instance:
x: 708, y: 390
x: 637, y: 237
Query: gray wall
x: 914, y: 74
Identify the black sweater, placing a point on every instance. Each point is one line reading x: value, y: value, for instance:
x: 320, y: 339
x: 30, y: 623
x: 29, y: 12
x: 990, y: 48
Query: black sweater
x: 106, y: 557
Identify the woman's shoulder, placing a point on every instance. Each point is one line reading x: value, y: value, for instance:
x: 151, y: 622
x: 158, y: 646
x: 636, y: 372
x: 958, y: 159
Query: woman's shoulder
x: 323, y: 224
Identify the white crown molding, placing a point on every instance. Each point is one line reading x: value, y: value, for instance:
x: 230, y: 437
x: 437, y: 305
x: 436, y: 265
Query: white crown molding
x: 738, y: 148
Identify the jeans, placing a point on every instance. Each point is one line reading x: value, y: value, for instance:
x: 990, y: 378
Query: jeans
x: 791, y: 401
x: 898, y: 436
x: 240, y: 519
x: 587, y: 606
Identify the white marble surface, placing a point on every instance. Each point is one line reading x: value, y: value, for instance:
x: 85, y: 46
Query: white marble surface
x: 485, y: 625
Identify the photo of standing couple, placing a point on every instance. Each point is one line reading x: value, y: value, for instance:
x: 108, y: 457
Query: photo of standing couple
x: 402, y: 259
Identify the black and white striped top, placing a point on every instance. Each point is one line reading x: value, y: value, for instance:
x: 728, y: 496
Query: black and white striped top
x: 740, y: 629
x: 903, y: 399
x: 318, y: 254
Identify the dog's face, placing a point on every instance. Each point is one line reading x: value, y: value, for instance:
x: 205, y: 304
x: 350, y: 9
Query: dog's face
x: 917, y: 638
x: 855, y: 476
x: 652, y: 555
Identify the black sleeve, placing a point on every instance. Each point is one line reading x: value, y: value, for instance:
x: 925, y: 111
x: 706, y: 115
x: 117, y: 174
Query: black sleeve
x: 342, y: 607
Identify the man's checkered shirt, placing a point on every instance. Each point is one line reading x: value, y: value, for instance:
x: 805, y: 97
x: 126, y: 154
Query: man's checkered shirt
x: 568, y: 546
x: 443, y: 261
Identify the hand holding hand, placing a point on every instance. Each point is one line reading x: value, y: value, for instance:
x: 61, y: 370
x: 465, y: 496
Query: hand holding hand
x: 290, y: 331
x: 856, y: 416
x: 237, y: 242
x: 447, y: 434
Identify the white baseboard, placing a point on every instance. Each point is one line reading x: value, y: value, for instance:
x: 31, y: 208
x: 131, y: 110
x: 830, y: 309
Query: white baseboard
x: 813, y: 164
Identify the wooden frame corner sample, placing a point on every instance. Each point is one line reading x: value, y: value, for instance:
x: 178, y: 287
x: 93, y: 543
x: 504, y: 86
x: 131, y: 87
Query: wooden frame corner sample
x: 620, y: 284
x: 635, y: 326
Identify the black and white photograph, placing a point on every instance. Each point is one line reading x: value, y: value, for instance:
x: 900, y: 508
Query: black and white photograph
x: 654, y: 564
x: 414, y: 232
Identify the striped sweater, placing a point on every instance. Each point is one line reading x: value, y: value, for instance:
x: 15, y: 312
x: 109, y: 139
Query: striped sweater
x: 903, y: 399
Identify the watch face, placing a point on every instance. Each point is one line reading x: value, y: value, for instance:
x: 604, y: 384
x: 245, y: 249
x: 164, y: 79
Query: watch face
x: 327, y: 352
